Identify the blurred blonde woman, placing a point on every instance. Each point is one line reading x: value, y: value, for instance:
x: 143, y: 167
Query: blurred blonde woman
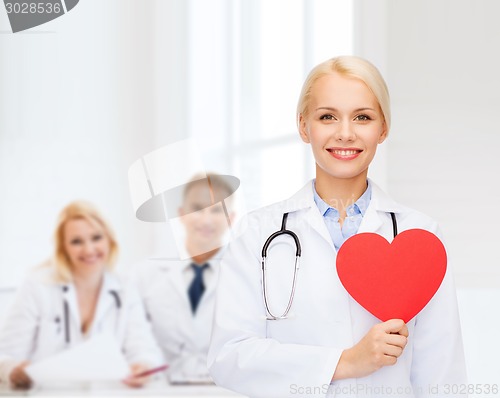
x: 74, y: 297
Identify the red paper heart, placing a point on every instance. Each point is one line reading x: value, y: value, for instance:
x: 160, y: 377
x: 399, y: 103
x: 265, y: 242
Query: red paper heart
x: 392, y: 280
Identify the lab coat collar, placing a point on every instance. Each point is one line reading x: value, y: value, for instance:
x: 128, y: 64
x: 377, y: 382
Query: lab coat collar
x: 380, y: 205
x: 373, y: 219
x: 383, y: 202
x: 304, y: 199
x: 110, y: 283
x: 176, y: 269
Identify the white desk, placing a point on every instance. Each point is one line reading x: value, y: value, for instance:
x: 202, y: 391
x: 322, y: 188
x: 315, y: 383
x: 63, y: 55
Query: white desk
x: 116, y: 389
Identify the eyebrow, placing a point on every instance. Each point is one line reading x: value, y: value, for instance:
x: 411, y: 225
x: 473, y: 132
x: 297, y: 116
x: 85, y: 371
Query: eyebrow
x: 336, y: 110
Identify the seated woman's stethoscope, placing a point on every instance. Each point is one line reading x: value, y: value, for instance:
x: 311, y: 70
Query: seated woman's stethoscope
x: 67, y: 334
x: 298, y: 252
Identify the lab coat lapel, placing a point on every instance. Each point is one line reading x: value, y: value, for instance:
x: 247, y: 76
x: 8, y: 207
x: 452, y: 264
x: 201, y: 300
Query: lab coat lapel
x: 106, y: 300
x: 303, y: 201
x: 380, y: 205
x: 69, y: 296
x: 178, y: 285
x: 178, y: 282
x: 210, y: 288
x: 371, y: 221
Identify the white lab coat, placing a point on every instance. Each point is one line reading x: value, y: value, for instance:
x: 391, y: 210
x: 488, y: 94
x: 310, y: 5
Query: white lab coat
x: 298, y: 356
x: 184, y: 337
x: 35, y: 327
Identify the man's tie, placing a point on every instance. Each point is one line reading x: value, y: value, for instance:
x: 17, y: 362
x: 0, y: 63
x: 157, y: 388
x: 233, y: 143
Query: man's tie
x: 197, y: 286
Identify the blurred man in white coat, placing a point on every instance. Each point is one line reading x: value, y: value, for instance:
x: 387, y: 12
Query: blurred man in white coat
x: 179, y: 294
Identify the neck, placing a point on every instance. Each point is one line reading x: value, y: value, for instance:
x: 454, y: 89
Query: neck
x: 340, y: 193
x: 202, y: 258
x: 90, y: 282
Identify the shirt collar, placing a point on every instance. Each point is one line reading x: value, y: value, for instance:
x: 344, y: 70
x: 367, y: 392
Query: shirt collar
x: 359, y: 207
x: 188, y: 264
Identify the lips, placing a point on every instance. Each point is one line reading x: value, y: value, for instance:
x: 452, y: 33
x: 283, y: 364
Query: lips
x: 344, y: 153
x: 206, y: 232
x: 91, y: 259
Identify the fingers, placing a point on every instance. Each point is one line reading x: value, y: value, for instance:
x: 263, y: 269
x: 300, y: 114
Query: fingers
x: 19, y: 378
x: 395, y: 326
x: 404, y: 331
x: 393, y: 351
x: 132, y: 380
x: 396, y: 340
x: 381, y: 346
x: 390, y: 340
x: 135, y: 382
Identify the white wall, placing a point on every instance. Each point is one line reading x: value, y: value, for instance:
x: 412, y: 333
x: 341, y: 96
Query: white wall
x: 441, y: 63
x: 82, y: 98
x: 443, y: 72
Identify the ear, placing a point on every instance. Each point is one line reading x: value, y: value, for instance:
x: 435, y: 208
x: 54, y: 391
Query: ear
x: 383, y: 135
x: 303, y: 129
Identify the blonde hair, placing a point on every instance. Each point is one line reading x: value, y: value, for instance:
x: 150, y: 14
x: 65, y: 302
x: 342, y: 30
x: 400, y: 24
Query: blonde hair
x: 350, y: 66
x: 84, y: 211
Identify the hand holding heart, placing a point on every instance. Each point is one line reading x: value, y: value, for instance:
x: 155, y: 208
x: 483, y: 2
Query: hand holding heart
x: 381, y: 346
x: 390, y: 281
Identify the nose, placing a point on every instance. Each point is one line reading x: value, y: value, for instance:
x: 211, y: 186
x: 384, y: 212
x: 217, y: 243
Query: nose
x: 345, y: 132
x: 88, y: 247
x: 203, y: 215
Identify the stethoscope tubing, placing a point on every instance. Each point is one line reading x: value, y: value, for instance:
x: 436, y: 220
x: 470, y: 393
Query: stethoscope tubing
x: 298, y: 252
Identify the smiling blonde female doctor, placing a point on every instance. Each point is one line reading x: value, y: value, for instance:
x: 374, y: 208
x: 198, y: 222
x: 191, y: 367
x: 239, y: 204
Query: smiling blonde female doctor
x: 329, y: 345
x: 74, y: 297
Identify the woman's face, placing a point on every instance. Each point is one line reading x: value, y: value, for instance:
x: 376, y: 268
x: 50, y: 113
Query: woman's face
x: 86, y: 245
x: 344, y: 125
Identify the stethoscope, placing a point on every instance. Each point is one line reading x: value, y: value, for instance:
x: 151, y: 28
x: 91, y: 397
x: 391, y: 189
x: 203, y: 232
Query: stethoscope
x: 283, y: 231
x: 67, y: 333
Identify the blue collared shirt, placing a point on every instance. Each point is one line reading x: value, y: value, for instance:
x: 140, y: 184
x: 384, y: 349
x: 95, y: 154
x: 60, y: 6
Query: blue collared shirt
x: 354, y: 216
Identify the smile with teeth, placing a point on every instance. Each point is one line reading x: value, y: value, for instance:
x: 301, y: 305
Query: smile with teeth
x: 90, y: 260
x: 344, y: 153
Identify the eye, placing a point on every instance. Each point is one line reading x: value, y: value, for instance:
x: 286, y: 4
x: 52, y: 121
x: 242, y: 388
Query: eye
x: 217, y: 209
x: 362, y: 118
x: 327, y: 117
x: 196, y: 207
x: 97, y: 237
x: 76, y: 241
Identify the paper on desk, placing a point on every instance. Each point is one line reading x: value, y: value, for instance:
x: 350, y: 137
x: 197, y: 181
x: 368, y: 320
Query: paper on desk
x: 96, y: 359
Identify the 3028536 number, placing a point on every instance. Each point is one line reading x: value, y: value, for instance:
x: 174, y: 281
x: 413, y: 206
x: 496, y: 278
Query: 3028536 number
x: 33, y: 8
x: 470, y: 389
